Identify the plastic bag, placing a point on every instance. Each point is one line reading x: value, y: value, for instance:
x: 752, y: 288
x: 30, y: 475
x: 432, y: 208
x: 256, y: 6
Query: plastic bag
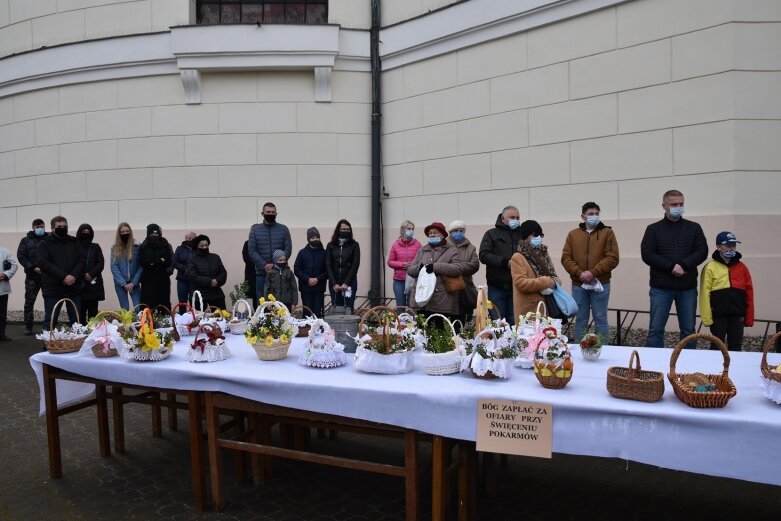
x: 565, y: 302
x: 425, y: 286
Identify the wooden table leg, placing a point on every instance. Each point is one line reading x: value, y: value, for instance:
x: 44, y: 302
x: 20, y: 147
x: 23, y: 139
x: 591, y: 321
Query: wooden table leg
x: 467, y: 455
x: 118, y: 410
x: 104, y: 440
x: 411, y: 474
x: 440, y: 463
x: 52, y: 423
x: 173, y: 421
x: 195, y: 402
x: 157, y: 417
x: 215, y: 459
x: 257, y: 466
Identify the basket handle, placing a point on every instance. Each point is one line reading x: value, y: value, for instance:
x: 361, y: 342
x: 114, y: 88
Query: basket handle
x: 449, y: 323
x: 200, y: 301
x: 377, y: 310
x: 705, y: 336
x: 247, y: 306
x: 260, y: 311
x: 768, y: 345
x: 102, y: 315
x: 302, y: 308
x: 174, y: 332
x: 56, y: 306
x: 186, y: 305
x: 544, y: 309
x: 634, y: 369
x: 146, y: 316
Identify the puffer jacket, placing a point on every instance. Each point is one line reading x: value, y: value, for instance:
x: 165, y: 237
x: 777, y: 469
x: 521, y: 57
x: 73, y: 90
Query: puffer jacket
x: 496, y: 249
x: 58, y: 258
x: 527, y: 284
x: 27, y: 253
x: 401, y: 253
x: 446, y: 262
x: 310, y: 263
x: 726, y: 290
x: 182, y: 255
x: 342, y: 262
x: 596, y: 252
x: 264, y: 239
x: 667, y: 243
x: 5, y: 284
x: 124, y: 271
x: 201, y: 269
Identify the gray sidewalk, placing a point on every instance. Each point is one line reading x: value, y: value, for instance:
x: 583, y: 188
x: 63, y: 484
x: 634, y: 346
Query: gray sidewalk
x: 152, y: 480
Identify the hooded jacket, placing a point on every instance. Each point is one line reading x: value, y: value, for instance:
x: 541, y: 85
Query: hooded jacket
x: 27, y: 253
x: 726, y: 290
x: 58, y: 258
x: 93, y: 264
x: 667, y: 243
x: 496, y: 249
x: 596, y: 252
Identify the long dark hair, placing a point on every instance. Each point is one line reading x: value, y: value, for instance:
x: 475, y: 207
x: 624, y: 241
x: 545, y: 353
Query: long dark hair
x: 335, y: 236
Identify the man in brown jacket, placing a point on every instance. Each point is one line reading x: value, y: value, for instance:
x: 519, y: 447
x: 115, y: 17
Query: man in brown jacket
x: 590, y: 254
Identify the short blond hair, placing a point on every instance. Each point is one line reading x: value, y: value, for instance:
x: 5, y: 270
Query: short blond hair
x: 404, y: 224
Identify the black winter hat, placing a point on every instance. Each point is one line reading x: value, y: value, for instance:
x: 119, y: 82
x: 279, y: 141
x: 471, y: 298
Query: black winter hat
x: 200, y: 238
x: 153, y: 228
x: 530, y: 227
x: 312, y: 232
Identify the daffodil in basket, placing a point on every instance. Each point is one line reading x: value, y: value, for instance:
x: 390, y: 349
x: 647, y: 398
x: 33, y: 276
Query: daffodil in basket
x: 271, y: 329
x: 384, y: 343
x: 590, y: 346
x: 553, y: 363
x: 148, y: 344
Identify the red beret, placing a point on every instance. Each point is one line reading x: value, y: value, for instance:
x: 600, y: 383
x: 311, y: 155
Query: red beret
x: 436, y: 226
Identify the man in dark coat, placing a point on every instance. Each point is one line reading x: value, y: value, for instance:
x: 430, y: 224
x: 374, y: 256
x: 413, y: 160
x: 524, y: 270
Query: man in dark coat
x: 496, y: 249
x: 311, y: 272
x: 207, y: 274
x: 673, y: 248
x: 156, y: 257
x: 27, y: 254
x: 92, y: 290
x: 265, y: 238
x: 61, y: 260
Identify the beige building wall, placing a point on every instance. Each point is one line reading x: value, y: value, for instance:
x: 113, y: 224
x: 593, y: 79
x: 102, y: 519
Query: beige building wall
x: 615, y: 106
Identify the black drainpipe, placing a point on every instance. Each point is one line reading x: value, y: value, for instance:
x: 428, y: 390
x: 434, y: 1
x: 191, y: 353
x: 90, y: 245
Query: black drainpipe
x: 375, y: 287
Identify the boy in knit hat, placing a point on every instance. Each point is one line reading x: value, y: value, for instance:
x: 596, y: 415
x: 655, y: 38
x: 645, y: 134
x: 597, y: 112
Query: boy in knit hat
x: 281, y: 282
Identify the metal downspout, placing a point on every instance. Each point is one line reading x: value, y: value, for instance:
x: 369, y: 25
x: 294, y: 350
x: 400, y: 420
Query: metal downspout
x: 375, y: 287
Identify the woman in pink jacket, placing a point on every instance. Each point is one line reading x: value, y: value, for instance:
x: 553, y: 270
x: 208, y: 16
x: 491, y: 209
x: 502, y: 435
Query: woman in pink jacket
x: 401, y: 255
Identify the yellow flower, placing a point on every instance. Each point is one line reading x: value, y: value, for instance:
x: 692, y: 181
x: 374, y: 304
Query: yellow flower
x: 251, y: 339
x: 489, y: 304
x: 261, y: 301
x: 151, y: 341
x: 268, y: 341
x: 283, y: 339
x: 272, y: 298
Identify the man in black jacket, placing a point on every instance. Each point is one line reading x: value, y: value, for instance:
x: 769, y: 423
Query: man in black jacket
x: 62, y: 262
x: 27, y: 253
x: 673, y: 248
x: 496, y: 249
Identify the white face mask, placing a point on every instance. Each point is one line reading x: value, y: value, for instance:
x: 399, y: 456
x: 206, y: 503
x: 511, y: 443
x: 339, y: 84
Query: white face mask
x: 536, y: 242
x: 513, y: 223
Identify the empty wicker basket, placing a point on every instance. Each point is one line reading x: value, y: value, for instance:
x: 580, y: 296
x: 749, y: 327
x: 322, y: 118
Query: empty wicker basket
x: 632, y: 383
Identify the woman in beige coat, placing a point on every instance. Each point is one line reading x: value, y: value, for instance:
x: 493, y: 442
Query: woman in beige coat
x: 441, y: 258
x: 470, y: 263
x: 532, y: 270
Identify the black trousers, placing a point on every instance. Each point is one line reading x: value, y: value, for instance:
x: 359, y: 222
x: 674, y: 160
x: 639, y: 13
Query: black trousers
x: 156, y: 288
x: 3, y: 313
x: 32, y: 285
x: 315, y: 302
x: 88, y: 309
x: 729, y: 328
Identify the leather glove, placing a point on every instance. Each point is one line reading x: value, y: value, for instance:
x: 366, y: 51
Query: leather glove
x: 429, y: 268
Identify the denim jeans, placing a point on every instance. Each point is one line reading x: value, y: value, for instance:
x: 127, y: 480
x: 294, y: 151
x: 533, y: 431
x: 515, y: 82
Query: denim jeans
x: 48, y: 309
x: 182, y: 293
x: 260, y: 281
x: 398, y: 292
x: 596, y: 302
x: 685, y: 307
x: 502, y: 300
x: 135, y: 295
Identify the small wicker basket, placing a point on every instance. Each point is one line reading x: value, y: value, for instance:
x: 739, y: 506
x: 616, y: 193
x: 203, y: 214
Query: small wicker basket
x: 633, y: 383
x: 153, y: 355
x: 725, y: 389
x: 97, y: 349
x: 439, y: 364
x: 303, y: 329
x: 236, y: 325
x: 277, y: 350
x: 67, y: 345
x: 767, y: 371
x: 192, y: 327
x: 172, y: 315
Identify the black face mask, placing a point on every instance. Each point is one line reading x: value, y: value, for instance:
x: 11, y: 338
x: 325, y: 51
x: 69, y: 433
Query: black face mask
x: 344, y: 234
x: 61, y: 232
x: 124, y: 237
x: 316, y: 244
x: 203, y: 251
x: 86, y: 237
x: 269, y: 218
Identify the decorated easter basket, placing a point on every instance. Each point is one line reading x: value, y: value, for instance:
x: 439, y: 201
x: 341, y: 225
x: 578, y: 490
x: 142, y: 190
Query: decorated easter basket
x: 148, y: 345
x: 238, y: 325
x: 698, y: 389
x: 322, y: 350
x: 553, y: 365
x: 271, y: 331
x: 105, y: 337
x: 384, y: 344
x: 486, y: 360
x: 60, y: 342
x: 187, y: 323
x: 442, y: 363
x: 170, y: 316
x: 303, y: 322
x: 209, y: 345
x: 771, y: 376
x: 633, y: 383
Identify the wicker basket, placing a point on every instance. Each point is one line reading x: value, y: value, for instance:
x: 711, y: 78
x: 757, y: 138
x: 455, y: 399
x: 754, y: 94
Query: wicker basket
x: 237, y: 326
x: 725, y: 389
x: 552, y: 381
x: 373, y: 361
x: 632, y: 383
x: 97, y: 349
x: 439, y: 364
x: 303, y: 329
x: 153, y: 355
x: 276, y: 351
x: 172, y: 315
x: 767, y: 371
x: 68, y: 345
x: 192, y: 327
x: 210, y: 352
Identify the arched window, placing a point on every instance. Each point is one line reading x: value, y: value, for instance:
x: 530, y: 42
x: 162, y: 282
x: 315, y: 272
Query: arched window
x: 262, y: 11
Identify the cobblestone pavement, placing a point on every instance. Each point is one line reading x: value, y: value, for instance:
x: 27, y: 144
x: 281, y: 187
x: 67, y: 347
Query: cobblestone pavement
x: 152, y: 480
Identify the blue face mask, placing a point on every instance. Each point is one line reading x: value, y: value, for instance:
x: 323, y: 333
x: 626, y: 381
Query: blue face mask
x: 434, y: 240
x: 457, y: 236
x: 676, y: 212
x: 592, y: 220
x: 729, y: 254
x: 536, y: 242
x: 513, y: 223
x: 408, y: 234
x: 39, y: 231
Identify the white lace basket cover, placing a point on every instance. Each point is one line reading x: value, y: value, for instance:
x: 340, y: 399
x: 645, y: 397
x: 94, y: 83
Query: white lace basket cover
x: 153, y: 355
x: 771, y: 389
x: 214, y: 350
x: 322, y: 350
x: 187, y: 323
x: 370, y: 361
x: 106, y: 334
x: 500, y: 367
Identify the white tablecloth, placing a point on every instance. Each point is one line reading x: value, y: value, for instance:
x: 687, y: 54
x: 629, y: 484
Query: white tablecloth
x: 733, y: 442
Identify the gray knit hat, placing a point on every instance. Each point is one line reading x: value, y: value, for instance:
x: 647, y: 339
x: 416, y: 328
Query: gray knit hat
x: 278, y: 254
x: 312, y: 232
